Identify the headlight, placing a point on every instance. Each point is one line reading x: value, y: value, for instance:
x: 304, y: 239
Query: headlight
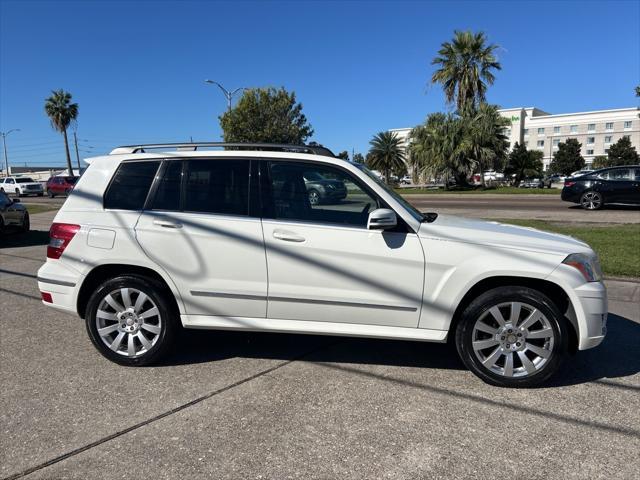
x: 589, y: 267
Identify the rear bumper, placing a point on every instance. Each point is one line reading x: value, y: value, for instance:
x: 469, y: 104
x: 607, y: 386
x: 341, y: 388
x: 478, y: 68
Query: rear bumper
x: 570, y: 195
x: 62, y: 283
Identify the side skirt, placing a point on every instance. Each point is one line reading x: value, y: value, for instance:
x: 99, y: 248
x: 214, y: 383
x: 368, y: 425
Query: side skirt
x: 312, y: 328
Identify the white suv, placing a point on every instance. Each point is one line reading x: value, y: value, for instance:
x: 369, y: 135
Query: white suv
x: 150, y: 242
x: 21, y: 186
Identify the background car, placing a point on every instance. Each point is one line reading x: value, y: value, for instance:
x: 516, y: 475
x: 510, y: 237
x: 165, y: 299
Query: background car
x: 581, y: 172
x: 617, y: 185
x: 323, y: 190
x: 21, y: 186
x: 60, y: 185
x: 12, y: 214
x: 406, y: 180
x: 531, y: 183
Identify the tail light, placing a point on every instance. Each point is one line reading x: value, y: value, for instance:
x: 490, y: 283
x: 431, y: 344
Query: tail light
x: 60, y: 235
x: 46, y: 297
x: 569, y: 183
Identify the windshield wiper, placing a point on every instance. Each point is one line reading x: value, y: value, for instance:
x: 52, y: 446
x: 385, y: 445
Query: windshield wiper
x: 429, y: 217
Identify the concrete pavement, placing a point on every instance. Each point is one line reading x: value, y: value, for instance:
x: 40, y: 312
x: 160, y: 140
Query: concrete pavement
x: 249, y: 405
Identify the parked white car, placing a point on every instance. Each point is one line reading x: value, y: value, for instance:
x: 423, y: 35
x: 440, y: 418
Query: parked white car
x: 150, y: 242
x: 21, y: 186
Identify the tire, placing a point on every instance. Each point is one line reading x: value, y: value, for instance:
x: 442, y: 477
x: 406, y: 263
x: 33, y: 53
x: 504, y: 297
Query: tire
x: 50, y: 194
x: 314, y: 197
x: 18, y: 194
x: 488, y: 349
x: 158, y: 329
x: 26, y: 223
x: 67, y: 191
x: 591, y: 200
x: 1, y: 227
x: 41, y: 194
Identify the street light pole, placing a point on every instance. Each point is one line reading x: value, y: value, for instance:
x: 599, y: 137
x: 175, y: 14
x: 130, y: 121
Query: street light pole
x: 228, y: 95
x: 4, y: 145
x: 75, y: 139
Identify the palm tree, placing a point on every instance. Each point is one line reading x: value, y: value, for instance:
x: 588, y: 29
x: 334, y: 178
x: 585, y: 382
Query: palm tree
x: 465, y: 68
x: 62, y: 113
x: 387, y: 154
x: 485, y: 141
x: 439, y: 148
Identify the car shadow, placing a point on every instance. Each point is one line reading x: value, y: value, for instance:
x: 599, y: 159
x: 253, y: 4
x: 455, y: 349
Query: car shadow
x: 616, y: 357
x: 15, y: 238
x: 610, y: 207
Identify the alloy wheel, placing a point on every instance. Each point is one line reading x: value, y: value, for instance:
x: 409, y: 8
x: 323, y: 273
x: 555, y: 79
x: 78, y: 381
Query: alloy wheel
x: 591, y: 201
x: 314, y: 198
x: 513, y: 339
x: 128, y: 322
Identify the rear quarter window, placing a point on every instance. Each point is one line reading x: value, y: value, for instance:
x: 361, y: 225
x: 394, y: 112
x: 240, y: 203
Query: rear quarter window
x: 130, y: 185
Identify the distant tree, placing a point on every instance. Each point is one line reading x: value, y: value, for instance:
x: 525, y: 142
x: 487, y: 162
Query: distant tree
x: 466, y: 65
x: 485, y: 141
x: 638, y: 91
x: 523, y: 163
x: 622, y: 153
x: 358, y: 158
x: 387, y: 154
x: 343, y: 155
x: 567, y: 158
x: 266, y: 115
x: 62, y: 113
x: 601, y: 161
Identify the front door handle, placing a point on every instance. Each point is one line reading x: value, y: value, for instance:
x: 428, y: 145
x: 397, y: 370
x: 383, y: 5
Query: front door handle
x: 167, y: 224
x: 287, y: 236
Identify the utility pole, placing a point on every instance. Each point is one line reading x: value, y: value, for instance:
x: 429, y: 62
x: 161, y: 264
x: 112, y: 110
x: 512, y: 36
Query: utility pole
x: 228, y: 95
x: 75, y: 140
x: 4, y: 145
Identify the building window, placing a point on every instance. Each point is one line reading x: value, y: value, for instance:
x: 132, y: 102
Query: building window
x: 526, y: 144
x: 573, y: 129
x: 627, y: 125
x: 607, y: 139
x: 556, y: 141
x: 556, y: 129
x: 591, y: 140
x: 591, y: 127
x: 541, y: 131
x: 507, y: 132
x: 526, y: 131
x: 589, y: 152
x: 540, y: 143
x: 609, y: 126
x: 627, y: 137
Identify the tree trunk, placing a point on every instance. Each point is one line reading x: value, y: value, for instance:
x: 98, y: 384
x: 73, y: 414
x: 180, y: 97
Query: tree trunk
x: 481, y: 174
x: 66, y: 147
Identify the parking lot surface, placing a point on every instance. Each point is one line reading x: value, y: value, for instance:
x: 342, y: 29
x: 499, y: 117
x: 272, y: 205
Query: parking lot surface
x: 250, y: 405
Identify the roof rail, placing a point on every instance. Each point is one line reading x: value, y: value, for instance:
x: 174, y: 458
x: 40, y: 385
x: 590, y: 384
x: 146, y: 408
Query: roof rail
x: 277, y: 147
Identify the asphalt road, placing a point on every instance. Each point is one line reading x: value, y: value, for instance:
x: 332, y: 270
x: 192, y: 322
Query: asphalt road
x: 542, y: 207
x: 249, y: 405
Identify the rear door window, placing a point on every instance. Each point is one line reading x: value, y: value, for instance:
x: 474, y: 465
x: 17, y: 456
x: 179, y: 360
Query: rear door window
x: 217, y: 186
x: 620, y: 174
x: 130, y: 185
x: 167, y: 195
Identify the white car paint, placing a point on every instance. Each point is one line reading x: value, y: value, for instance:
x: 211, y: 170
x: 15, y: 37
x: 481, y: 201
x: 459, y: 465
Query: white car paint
x: 304, y: 278
x: 17, y: 186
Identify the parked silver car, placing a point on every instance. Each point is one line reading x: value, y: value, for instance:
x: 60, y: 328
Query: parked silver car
x: 12, y: 214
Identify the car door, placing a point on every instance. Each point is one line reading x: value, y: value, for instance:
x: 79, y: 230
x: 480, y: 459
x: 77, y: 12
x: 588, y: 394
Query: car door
x: 621, y: 186
x: 199, y: 227
x: 323, y: 262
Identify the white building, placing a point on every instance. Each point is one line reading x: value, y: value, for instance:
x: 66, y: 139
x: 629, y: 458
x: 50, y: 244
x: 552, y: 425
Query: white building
x: 537, y: 129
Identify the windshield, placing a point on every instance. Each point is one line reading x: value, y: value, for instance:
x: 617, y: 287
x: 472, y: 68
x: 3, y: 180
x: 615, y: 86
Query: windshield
x: 410, y: 208
x: 24, y: 180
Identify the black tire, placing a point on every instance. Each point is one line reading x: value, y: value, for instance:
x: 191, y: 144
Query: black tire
x: 41, y: 194
x: 18, y: 194
x: 67, y: 191
x: 50, y: 194
x: 481, y: 305
x: 168, y: 319
x: 26, y: 223
x: 1, y: 227
x: 592, y: 200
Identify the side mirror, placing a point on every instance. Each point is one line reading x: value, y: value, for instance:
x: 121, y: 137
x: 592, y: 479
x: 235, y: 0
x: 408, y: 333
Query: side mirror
x: 382, y: 219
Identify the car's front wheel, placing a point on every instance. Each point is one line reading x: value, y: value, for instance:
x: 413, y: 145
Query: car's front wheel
x: 129, y: 321
x: 314, y: 197
x: 50, y: 194
x: 512, y: 337
x: 26, y: 222
x: 591, y: 200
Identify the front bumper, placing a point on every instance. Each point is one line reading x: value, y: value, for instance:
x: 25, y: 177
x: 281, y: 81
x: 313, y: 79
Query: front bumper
x: 591, y: 309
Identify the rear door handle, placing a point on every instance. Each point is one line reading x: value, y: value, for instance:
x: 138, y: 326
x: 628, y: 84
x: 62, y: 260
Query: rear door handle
x: 167, y: 224
x: 287, y: 236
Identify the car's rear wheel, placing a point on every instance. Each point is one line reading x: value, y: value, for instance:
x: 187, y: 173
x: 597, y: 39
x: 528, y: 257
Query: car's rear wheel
x: 50, y: 194
x: 591, y: 200
x: 512, y: 337
x: 314, y: 197
x: 18, y: 194
x: 129, y: 321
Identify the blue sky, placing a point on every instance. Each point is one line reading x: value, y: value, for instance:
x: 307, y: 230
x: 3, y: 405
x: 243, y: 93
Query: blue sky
x: 137, y: 68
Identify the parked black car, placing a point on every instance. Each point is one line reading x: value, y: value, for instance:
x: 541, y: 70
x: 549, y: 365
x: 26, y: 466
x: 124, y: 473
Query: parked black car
x: 616, y: 185
x: 323, y: 190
